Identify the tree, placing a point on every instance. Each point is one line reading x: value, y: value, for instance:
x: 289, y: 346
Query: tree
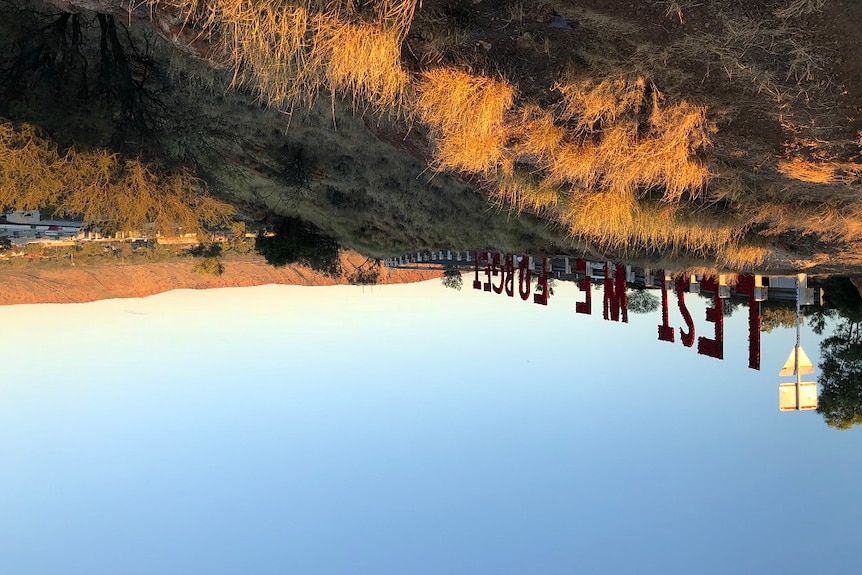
x: 452, y: 279
x: 367, y: 274
x: 733, y: 304
x: 777, y: 316
x: 642, y: 301
x: 840, y: 379
x: 840, y: 401
x: 816, y: 316
x: 296, y: 242
x: 237, y: 230
x: 842, y: 295
x: 209, y: 266
x: 101, y: 187
x: 205, y: 250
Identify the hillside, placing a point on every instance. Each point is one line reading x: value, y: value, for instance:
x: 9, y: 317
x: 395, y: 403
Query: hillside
x: 91, y: 283
x: 730, y: 131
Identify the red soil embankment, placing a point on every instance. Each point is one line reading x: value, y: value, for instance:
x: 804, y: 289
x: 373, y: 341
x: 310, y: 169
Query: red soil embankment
x: 97, y: 282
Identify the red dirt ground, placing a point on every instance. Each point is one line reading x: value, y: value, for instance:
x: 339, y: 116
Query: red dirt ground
x: 91, y: 283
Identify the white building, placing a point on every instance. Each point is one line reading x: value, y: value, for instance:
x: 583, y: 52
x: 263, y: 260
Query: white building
x: 28, y: 224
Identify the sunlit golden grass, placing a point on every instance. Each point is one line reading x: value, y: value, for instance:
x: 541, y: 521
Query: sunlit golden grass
x: 101, y: 187
x: 822, y: 203
x: 606, y: 137
x: 606, y: 217
x: 597, y: 160
x: 618, y: 141
x: 676, y: 132
x: 588, y: 172
x: 592, y: 105
x: 466, y: 114
x: 522, y: 192
x: 812, y: 172
x: 615, y: 221
x: 827, y: 221
x: 741, y: 255
x: 291, y: 50
x: 365, y: 59
x: 537, y: 136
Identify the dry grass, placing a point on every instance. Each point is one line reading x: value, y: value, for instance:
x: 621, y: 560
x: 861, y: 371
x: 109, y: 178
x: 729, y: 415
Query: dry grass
x: 585, y: 163
x: 797, y: 8
x: 615, y: 221
x: 827, y: 221
x: 380, y: 79
x: 289, y: 51
x: 536, y: 135
x: 578, y: 164
x: 613, y: 139
x: 594, y: 105
x: 811, y: 172
x: 466, y: 114
x: 739, y: 256
x: 817, y: 204
x: 515, y: 12
x: 677, y: 131
x: 794, y: 69
x: 442, y: 41
x: 101, y: 187
x: 605, y: 217
x: 728, y: 52
x: 522, y: 191
x: 826, y: 172
x: 673, y: 10
x: 620, y: 142
x: 596, y: 161
x: 612, y: 222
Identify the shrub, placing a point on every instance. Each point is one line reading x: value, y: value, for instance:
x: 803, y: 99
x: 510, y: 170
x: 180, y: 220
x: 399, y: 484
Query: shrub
x: 296, y: 242
x: 452, y: 279
x: 466, y: 114
x: 291, y: 50
x: 210, y: 266
x: 124, y: 194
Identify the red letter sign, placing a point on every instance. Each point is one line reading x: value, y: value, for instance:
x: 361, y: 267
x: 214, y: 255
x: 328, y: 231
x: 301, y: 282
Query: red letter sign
x: 713, y: 347
x: 585, y: 307
x: 665, y: 331
x: 681, y: 285
x: 615, y: 299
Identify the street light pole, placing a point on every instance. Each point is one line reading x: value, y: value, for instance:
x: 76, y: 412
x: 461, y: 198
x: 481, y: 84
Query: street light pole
x: 798, y: 339
x: 798, y: 395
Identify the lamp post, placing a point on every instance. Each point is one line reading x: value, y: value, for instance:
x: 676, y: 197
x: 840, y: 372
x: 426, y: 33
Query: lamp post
x: 801, y: 395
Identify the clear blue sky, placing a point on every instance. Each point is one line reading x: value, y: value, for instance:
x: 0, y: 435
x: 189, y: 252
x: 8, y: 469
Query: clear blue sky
x: 405, y: 430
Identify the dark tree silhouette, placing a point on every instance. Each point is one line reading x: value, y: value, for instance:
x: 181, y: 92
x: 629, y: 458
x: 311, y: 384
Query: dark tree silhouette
x: 296, y: 242
x: 732, y: 304
x: 642, y: 301
x: 85, y: 80
x: 840, y: 401
x: 205, y: 250
x: 452, y: 279
x: 844, y: 297
x: 366, y: 274
x: 209, y: 266
x: 840, y: 379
